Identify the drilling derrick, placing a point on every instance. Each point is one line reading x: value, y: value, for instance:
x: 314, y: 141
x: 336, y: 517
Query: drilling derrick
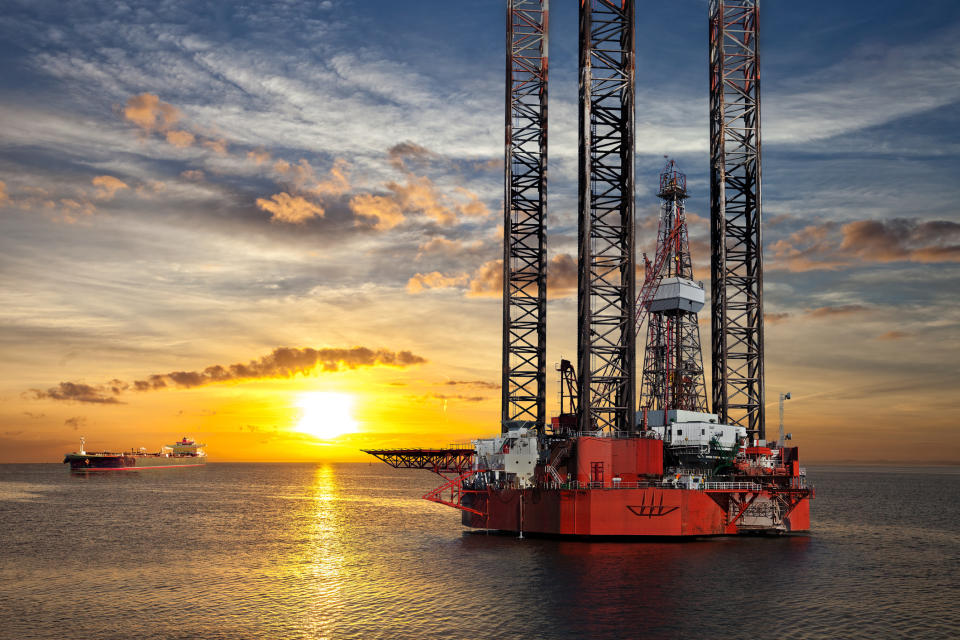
x: 525, y: 213
x: 736, y: 269
x: 606, y: 341
x: 673, y: 364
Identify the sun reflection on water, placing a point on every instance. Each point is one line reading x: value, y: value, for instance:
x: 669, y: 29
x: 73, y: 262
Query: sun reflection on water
x: 323, y: 556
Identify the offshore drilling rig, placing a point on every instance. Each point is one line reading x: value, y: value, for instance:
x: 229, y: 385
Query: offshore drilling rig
x: 613, y: 464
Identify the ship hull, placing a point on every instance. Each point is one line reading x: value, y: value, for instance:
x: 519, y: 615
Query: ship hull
x: 625, y: 512
x: 119, y: 462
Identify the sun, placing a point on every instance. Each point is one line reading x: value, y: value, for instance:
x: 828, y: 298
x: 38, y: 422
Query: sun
x: 326, y: 414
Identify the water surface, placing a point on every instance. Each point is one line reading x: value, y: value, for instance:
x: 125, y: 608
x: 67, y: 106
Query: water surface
x: 352, y: 551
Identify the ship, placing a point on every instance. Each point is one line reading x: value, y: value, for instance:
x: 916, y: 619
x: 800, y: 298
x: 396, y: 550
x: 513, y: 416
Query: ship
x: 184, y: 453
x: 618, y: 461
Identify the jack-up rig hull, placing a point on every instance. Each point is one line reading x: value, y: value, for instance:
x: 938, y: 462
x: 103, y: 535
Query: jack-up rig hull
x: 623, y: 512
x: 589, y: 486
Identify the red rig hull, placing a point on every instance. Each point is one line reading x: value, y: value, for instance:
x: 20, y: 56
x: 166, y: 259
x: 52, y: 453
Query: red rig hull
x: 589, y: 486
x: 640, y: 512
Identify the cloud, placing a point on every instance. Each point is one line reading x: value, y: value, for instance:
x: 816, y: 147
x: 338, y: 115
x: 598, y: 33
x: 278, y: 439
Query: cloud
x: 900, y: 239
x: 562, y: 275
x: 294, y: 207
x: 416, y: 195
x: 830, y: 245
x: 481, y: 384
x: 486, y: 281
x: 76, y: 422
x: 435, y: 280
x: 75, y: 392
x: 107, y: 187
x: 259, y: 156
x: 149, y: 113
x: 839, y: 310
x: 194, y: 175
x: 400, y: 153
x: 287, y: 208
x: 440, y: 396
x: 181, y: 139
x: 894, y: 335
x: 283, y: 362
x: 4, y: 197
x: 775, y: 318
x: 384, y: 211
x: 217, y: 145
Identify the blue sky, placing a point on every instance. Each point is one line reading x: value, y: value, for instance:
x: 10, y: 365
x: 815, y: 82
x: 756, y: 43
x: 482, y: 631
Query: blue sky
x: 187, y: 183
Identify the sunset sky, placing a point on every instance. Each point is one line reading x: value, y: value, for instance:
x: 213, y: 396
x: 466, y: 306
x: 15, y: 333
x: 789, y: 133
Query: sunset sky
x: 264, y: 224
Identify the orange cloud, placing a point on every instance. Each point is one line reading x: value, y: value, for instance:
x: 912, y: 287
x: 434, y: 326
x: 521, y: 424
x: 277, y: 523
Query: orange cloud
x: 196, y: 175
x: 287, y: 208
x: 216, y: 145
x: 416, y: 195
x: 435, y: 280
x: 385, y: 212
x: 107, y: 187
x: 4, y: 197
x: 894, y: 335
x: 487, y: 280
x: 69, y: 207
x: 259, y: 156
x: 149, y: 113
x: 181, y: 139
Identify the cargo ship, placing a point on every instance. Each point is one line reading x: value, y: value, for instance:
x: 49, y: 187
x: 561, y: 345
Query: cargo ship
x: 185, y: 453
x: 631, y: 452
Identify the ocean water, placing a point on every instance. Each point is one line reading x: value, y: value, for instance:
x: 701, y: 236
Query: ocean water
x: 352, y: 551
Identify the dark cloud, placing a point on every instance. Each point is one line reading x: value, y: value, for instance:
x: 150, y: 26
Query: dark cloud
x: 75, y: 422
x: 440, y: 396
x: 75, y: 392
x: 480, y: 384
x: 561, y: 275
x: 400, y: 153
x: 839, y: 310
x: 283, y: 362
x: 830, y: 245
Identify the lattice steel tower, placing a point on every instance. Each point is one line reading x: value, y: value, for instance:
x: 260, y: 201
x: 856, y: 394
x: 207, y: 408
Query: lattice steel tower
x: 736, y: 260
x: 525, y: 216
x: 673, y: 363
x: 606, y: 342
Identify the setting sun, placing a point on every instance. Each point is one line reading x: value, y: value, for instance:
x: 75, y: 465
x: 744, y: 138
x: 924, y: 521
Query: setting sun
x: 326, y: 414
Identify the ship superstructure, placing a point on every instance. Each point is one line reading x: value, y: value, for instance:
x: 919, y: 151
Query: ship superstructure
x: 613, y: 464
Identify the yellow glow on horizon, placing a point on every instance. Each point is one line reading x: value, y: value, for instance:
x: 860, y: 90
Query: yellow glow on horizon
x: 326, y: 414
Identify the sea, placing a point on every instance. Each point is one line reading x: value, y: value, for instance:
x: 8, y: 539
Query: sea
x: 353, y: 551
